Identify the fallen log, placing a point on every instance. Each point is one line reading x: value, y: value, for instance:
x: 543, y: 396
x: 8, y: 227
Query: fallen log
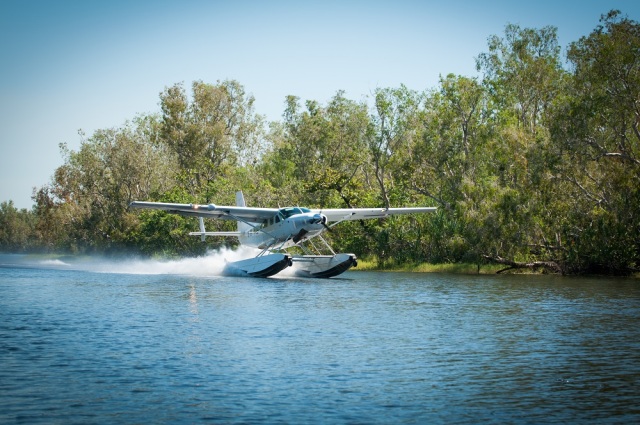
x: 550, y: 266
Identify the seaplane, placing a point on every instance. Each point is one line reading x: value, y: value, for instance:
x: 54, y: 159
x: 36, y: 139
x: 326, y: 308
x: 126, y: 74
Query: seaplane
x: 274, y: 230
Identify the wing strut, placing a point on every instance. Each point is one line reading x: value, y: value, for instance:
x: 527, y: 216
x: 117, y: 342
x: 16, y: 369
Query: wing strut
x: 203, y: 232
x: 339, y: 221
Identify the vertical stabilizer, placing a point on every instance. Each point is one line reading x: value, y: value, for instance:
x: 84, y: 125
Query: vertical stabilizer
x: 242, y: 227
x: 240, y: 199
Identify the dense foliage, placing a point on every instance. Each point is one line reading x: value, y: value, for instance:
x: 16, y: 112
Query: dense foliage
x: 535, y: 164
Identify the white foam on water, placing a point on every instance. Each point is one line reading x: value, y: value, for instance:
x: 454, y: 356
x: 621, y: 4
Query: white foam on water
x: 211, y: 264
x: 54, y: 263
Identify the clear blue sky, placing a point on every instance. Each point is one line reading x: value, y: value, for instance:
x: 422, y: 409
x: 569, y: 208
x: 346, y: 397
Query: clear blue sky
x: 70, y: 65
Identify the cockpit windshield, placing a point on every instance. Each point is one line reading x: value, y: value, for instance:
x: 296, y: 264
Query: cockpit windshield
x: 289, y: 211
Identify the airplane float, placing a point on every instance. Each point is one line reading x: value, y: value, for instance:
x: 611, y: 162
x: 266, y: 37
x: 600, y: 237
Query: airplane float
x: 273, y: 230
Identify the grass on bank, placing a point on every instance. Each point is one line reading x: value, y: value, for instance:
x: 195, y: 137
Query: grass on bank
x: 372, y: 264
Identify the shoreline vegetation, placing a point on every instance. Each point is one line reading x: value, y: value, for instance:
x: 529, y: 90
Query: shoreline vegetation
x: 364, y: 265
x: 460, y: 268
x: 532, y: 165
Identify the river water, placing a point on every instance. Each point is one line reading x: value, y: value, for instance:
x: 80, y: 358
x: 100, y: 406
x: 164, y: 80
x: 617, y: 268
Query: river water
x: 88, y: 341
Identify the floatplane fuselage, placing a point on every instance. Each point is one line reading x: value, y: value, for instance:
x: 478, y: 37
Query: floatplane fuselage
x: 286, y: 229
x: 274, y: 230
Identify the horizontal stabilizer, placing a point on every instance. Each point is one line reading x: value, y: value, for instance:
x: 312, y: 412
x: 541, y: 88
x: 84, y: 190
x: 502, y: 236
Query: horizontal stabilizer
x: 215, y: 233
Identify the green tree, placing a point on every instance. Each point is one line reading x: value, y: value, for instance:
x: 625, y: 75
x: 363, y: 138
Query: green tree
x: 17, y: 228
x: 211, y: 133
x: 522, y: 71
x: 341, y: 152
x: 450, y: 164
x: 88, y: 198
x: 596, y: 129
x: 322, y: 151
x: 506, y: 213
x: 454, y: 131
x: 396, y: 122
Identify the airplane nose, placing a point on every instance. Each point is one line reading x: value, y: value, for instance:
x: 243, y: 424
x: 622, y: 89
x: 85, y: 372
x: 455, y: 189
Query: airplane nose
x: 318, y: 218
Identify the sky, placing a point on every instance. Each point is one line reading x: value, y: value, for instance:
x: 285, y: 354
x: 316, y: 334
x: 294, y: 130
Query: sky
x: 84, y: 65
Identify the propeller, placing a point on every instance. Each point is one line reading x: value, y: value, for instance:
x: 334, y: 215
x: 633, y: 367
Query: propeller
x: 321, y: 219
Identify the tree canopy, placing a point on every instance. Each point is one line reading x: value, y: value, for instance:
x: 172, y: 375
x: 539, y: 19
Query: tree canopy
x: 534, y: 163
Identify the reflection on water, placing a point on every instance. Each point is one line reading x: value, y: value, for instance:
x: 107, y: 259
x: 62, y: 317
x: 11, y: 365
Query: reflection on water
x: 80, y: 346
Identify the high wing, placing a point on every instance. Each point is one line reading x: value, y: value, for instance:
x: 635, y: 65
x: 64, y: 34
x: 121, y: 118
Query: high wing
x: 257, y: 215
x: 245, y: 214
x: 341, y: 214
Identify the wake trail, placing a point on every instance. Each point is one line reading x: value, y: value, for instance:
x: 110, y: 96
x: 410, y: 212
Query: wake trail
x: 211, y: 264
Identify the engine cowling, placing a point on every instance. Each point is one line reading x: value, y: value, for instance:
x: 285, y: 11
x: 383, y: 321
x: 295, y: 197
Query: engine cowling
x: 318, y: 219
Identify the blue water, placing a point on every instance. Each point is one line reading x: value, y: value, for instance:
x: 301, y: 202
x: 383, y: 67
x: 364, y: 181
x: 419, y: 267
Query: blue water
x: 146, y: 342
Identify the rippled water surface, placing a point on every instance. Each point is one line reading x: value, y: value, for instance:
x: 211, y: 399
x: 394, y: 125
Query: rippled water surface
x: 122, y: 342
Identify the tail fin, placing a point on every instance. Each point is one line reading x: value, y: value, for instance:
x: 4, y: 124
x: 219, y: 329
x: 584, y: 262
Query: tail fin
x: 240, y: 199
x: 242, y: 227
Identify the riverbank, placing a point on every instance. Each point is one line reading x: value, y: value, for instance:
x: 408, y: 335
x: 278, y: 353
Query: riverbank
x: 453, y: 268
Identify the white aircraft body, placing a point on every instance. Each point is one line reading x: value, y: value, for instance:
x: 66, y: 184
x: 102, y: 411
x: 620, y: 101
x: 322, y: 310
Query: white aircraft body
x: 273, y: 230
